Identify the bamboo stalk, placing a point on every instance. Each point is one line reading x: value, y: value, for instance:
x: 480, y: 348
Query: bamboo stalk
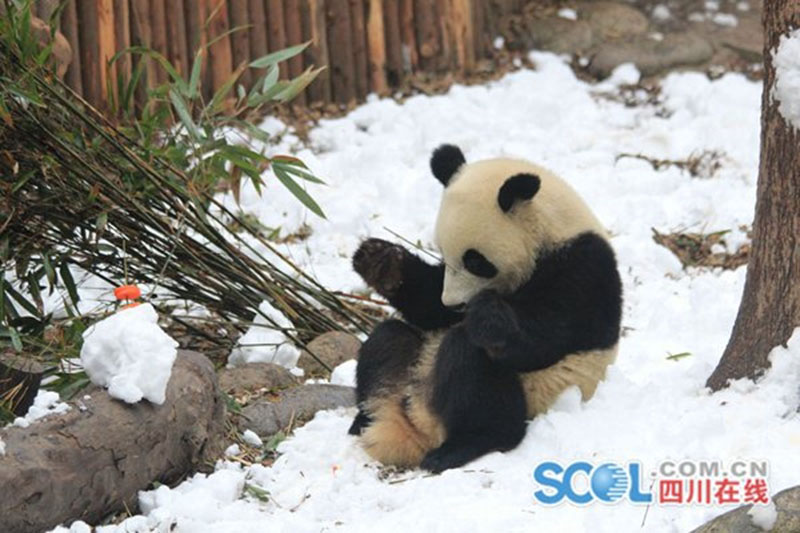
x: 376, y: 48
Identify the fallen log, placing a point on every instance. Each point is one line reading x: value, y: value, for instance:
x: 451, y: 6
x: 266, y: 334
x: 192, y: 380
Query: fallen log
x: 92, y: 461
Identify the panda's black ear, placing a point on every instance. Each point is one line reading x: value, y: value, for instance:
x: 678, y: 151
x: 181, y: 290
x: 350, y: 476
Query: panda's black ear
x: 517, y: 188
x: 445, y: 161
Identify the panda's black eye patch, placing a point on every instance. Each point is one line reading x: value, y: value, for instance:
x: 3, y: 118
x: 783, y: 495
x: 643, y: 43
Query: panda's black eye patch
x: 478, y: 265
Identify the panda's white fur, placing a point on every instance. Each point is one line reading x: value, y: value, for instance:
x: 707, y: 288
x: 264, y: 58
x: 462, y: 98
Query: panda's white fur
x: 404, y: 429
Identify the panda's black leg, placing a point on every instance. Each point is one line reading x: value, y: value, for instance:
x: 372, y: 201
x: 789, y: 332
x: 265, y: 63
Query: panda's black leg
x: 384, y: 361
x: 481, y: 404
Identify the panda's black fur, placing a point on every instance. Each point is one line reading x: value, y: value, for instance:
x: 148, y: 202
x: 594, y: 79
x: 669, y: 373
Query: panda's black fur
x: 473, y: 388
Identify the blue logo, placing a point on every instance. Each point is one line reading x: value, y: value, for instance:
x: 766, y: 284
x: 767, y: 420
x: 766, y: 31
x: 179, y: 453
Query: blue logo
x: 608, y: 483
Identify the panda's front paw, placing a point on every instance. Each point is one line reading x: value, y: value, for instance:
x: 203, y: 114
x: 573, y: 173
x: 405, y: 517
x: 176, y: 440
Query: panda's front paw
x: 490, y: 321
x: 380, y: 265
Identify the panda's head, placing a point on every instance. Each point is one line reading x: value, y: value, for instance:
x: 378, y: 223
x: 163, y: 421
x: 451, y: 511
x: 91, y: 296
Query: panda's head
x: 496, y: 217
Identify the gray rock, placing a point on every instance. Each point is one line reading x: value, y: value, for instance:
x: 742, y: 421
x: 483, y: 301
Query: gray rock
x: 333, y: 348
x: 295, y: 406
x: 559, y: 35
x: 612, y: 21
x: 787, y: 503
x: 651, y: 56
x: 255, y: 376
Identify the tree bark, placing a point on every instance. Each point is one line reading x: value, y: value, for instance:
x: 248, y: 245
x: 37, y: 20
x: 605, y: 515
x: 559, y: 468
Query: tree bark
x: 770, y: 307
x: 93, y: 460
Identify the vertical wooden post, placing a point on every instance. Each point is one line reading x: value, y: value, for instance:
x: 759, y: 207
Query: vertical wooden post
x: 176, y: 37
x: 482, y: 31
x: 158, y: 25
x: 69, y: 27
x: 341, y: 51
x: 359, y: 33
x: 44, y: 9
x: 258, y: 34
x: 463, y: 35
x: 240, y: 39
x: 122, y: 38
x: 427, y: 34
x: 195, y: 13
x: 314, y: 29
x: 106, y: 47
x: 408, y: 36
x: 88, y: 31
x: 376, y: 47
x: 220, y: 59
x: 141, y: 35
x: 277, y: 30
x: 444, y: 33
x: 394, y: 43
x: 294, y: 35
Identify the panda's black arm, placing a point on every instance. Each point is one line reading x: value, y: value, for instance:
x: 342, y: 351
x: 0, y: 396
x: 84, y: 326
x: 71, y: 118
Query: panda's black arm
x: 419, y: 297
x: 572, y: 303
x: 411, y: 285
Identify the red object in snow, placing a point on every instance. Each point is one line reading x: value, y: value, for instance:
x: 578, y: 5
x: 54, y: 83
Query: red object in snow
x: 127, y: 292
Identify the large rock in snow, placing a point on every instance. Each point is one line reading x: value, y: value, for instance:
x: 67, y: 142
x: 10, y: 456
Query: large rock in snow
x: 93, y: 460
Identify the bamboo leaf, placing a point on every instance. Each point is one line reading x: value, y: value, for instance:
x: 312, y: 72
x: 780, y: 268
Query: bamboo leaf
x: 281, y: 55
x: 298, y: 191
x: 69, y: 283
x: 179, y: 104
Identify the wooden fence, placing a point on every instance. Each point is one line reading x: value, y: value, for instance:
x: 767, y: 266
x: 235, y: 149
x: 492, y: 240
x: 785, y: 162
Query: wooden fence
x: 367, y: 45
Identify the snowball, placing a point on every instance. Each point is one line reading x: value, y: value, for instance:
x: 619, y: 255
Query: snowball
x: 232, y: 450
x: 499, y: 43
x: 130, y: 354
x: 625, y: 74
x: 725, y: 19
x: 345, y: 374
x: 46, y: 403
x: 250, y: 437
x: 567, y: 13
x: 263, y: 343
x: 764, y: 516
x: 661, y: 12
x: 787, y: 77
x: 712, y: 5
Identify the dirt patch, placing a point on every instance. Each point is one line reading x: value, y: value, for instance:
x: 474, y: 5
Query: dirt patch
x: 703, y: 250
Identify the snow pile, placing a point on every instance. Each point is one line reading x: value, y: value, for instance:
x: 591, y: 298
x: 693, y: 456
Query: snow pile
x: 650, y: 408
x: 2, y: 447
x: 764, y: 516
x: 345, y: 374
x: 265, y: 342
x: 786, y: 91
x: 46, y: 403
x: 130, y: 354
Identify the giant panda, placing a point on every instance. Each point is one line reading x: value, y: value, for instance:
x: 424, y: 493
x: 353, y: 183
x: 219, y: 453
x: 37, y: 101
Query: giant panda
x: 526, y: 302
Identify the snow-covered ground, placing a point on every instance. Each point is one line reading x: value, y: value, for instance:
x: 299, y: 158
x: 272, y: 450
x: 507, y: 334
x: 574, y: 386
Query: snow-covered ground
x: 649, y: 409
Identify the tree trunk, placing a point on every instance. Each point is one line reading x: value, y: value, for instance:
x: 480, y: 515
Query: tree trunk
x: 770, y: 307
x: 93, y: 460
